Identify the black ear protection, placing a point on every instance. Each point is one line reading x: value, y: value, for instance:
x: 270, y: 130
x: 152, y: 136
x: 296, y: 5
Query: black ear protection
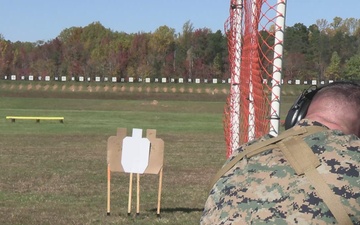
x: 299, y: 109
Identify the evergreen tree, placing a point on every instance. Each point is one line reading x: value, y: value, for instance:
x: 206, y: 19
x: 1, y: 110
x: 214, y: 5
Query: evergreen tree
x: 333, y: 71
x: 352, y: 68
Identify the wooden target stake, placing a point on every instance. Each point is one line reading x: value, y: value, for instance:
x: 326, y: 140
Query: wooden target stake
x: 130, y: 193
x: 108, y: 189
x: 159, y: 192
x: 138, y: 194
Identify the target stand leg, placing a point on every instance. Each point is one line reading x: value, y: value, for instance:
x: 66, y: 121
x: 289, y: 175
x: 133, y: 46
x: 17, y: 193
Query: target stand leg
x: 137, y: 194
x: 159, y: 192
x: 108, y: 190
x: 130, y: 194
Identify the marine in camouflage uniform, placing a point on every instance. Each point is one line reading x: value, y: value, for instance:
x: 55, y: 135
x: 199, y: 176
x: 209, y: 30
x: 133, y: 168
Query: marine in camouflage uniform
x: 264, y: 189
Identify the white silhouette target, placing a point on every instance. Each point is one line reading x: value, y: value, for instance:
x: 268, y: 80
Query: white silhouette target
x: 135, y: 152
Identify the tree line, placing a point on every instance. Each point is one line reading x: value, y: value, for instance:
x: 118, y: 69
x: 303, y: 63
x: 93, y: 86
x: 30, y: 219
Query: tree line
x: 321, y: 51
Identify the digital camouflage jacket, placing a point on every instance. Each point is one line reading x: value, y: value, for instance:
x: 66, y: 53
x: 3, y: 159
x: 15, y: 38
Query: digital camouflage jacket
x: 264, y: 189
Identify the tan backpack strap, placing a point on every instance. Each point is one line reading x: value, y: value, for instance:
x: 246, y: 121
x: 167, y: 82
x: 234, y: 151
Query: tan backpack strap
x: 259, y: 147
x: 299, y: 154
x: 295, y: 131
x: 304, y: 161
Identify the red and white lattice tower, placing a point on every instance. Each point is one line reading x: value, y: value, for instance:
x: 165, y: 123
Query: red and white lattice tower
x: 255, y: 31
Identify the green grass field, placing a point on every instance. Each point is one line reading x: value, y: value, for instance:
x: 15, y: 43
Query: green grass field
x: 55, y: 173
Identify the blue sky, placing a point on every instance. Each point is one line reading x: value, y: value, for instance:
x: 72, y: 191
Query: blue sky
x: 33, y: 20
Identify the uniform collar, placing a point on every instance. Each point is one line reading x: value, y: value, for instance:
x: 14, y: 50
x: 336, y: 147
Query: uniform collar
x: 307, y: 122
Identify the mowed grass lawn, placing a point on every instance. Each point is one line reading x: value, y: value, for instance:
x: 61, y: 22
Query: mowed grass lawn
x: 56, y: 173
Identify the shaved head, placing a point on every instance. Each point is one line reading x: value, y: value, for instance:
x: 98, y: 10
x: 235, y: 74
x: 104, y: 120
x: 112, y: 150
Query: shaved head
x: 337, y: 106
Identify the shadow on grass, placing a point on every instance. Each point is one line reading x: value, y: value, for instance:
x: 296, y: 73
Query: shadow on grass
x: 179, y: 209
